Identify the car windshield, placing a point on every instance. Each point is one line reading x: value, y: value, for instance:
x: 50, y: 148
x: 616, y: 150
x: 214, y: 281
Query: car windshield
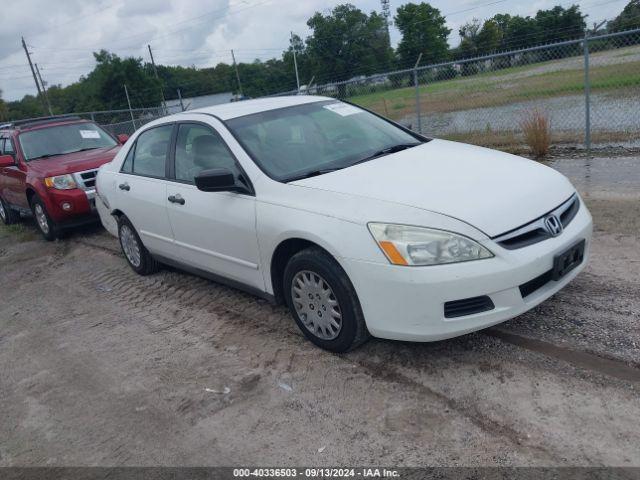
x: 62, y: 139
x: 306, y: 140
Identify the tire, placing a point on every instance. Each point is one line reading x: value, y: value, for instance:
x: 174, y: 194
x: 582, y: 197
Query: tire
x: 138, y: 257
x: 7, y: 214
x: 314, y: 276
x: 48, y: 228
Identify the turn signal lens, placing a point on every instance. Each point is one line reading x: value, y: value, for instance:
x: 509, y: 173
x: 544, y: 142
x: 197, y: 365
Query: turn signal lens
x: 392, y: 253
x: 408, y: 245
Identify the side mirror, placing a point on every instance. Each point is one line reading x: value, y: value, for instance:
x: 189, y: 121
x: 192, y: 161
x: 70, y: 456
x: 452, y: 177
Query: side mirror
x: 6, y: 161
x: 122, y: 138
x: 218, y: 180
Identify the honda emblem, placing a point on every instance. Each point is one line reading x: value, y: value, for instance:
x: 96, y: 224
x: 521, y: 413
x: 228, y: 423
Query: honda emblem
x: 553, y: 225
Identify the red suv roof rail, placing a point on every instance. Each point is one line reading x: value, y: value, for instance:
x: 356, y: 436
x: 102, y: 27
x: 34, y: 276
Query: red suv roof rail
x: 31, y: 122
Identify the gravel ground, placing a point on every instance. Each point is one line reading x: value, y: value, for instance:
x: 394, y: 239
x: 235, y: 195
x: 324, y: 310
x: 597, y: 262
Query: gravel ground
x: 103, y: 367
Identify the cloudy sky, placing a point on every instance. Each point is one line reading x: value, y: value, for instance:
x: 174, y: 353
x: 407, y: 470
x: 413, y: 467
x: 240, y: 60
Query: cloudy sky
x: 193, y: 32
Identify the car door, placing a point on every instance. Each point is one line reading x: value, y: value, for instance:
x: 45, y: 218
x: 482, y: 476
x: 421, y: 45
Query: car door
x: 214, y: 231
x: 13, y: 177
x: 141, y: 189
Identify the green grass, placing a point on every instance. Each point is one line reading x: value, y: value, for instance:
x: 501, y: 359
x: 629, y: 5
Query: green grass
x: 493, y: 89
x: 17, y: 231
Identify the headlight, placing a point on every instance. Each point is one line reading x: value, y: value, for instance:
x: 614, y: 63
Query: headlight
x: 61, y: 182
x: 406, y: 245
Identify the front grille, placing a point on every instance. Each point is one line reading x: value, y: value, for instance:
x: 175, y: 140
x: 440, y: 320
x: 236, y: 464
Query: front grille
x: 468, y: 306
x: 87, y: 180
x: 537, y: 283
x: 534, y: 232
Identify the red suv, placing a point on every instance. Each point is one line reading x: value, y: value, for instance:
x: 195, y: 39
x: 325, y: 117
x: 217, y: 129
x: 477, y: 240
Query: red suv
x: 48, y: 169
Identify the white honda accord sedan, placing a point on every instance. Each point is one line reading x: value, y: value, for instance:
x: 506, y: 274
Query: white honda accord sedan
x: 362, y: 227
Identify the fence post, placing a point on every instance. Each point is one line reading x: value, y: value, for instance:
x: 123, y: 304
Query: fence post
x: 587, y: 94
x: 133, y: 120
x: 417, y: 86
x: 180, y: 98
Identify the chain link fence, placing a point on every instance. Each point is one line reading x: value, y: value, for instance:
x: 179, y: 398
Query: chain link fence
x: 588, y: 89
x: 127, y: 121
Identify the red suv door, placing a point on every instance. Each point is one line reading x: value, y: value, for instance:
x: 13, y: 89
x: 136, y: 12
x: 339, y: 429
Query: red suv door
x: 12, y: 181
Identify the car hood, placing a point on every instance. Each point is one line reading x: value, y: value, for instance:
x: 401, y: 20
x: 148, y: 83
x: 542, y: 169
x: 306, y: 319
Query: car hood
x: 73, y: 162
x: 493, y: 191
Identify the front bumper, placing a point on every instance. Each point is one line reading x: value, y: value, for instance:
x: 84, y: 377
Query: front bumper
x: 407, y: 303
x: 82, y: 205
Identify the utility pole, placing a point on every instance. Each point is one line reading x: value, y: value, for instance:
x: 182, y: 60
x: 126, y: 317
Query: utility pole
x: 155, y: 70
x: 44, y: 90
x: 33, y: 72
x: 133, y: 120
x: 237, y: 73
x: 295, y: 62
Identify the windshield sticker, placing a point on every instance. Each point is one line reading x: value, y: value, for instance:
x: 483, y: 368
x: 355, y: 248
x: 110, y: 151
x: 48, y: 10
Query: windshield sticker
x: 89, y: 134
x: 343, y: 109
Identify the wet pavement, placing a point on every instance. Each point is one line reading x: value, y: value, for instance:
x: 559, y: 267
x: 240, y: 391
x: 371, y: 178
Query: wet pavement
x: 602, y: 177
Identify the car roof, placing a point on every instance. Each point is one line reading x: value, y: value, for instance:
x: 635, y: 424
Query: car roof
x: 38, y: 123
x: 227, y: 111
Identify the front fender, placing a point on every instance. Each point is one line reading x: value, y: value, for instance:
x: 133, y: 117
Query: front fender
x: 341, y: 238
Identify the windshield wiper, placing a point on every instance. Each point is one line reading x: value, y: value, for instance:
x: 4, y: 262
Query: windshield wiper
x: 387, y: 151
x: 313, y: 173
x: 85, y: 149
x: 46, y: 155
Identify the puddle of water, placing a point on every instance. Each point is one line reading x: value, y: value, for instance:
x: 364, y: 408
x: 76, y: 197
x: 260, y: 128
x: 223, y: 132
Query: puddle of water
x: 567, y: 113
x: 602, y: 176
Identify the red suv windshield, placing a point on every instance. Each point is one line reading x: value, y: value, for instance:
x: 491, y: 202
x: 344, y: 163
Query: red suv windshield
x: 63, y: 139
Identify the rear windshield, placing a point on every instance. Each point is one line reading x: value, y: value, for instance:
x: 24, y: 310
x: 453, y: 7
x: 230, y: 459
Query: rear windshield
x: 63, y: 139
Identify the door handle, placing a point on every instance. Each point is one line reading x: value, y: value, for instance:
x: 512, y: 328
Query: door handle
x: 124, y: 186
x: 177, y: 199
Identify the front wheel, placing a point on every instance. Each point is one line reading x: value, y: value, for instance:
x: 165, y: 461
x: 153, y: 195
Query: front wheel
x: 7, y: 214
x: 46, y: 225
x: 323, y: 302
x: 138, y: 257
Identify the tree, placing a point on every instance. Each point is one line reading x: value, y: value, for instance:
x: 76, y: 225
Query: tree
x: 4, y: 111
x: 560, y: 24
x: 347, y: 42
x: 423, y: 30
x: 489, y: 37
x: 521, y: 32
x: 106, y: 83
x: 628, y: 19
x: 469, y: 39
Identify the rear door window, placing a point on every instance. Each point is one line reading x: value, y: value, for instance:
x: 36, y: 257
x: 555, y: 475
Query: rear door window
x: 8, y: 147
x: 150, y: 155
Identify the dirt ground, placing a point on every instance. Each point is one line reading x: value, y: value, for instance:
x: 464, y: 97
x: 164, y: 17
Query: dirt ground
x: 102, y: 367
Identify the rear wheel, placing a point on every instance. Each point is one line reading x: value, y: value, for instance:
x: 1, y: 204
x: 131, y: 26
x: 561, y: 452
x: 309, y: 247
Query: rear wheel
x: 323, y: 302
x: 138, y: 257
x: 45, y: 224
x: 7, y: 214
